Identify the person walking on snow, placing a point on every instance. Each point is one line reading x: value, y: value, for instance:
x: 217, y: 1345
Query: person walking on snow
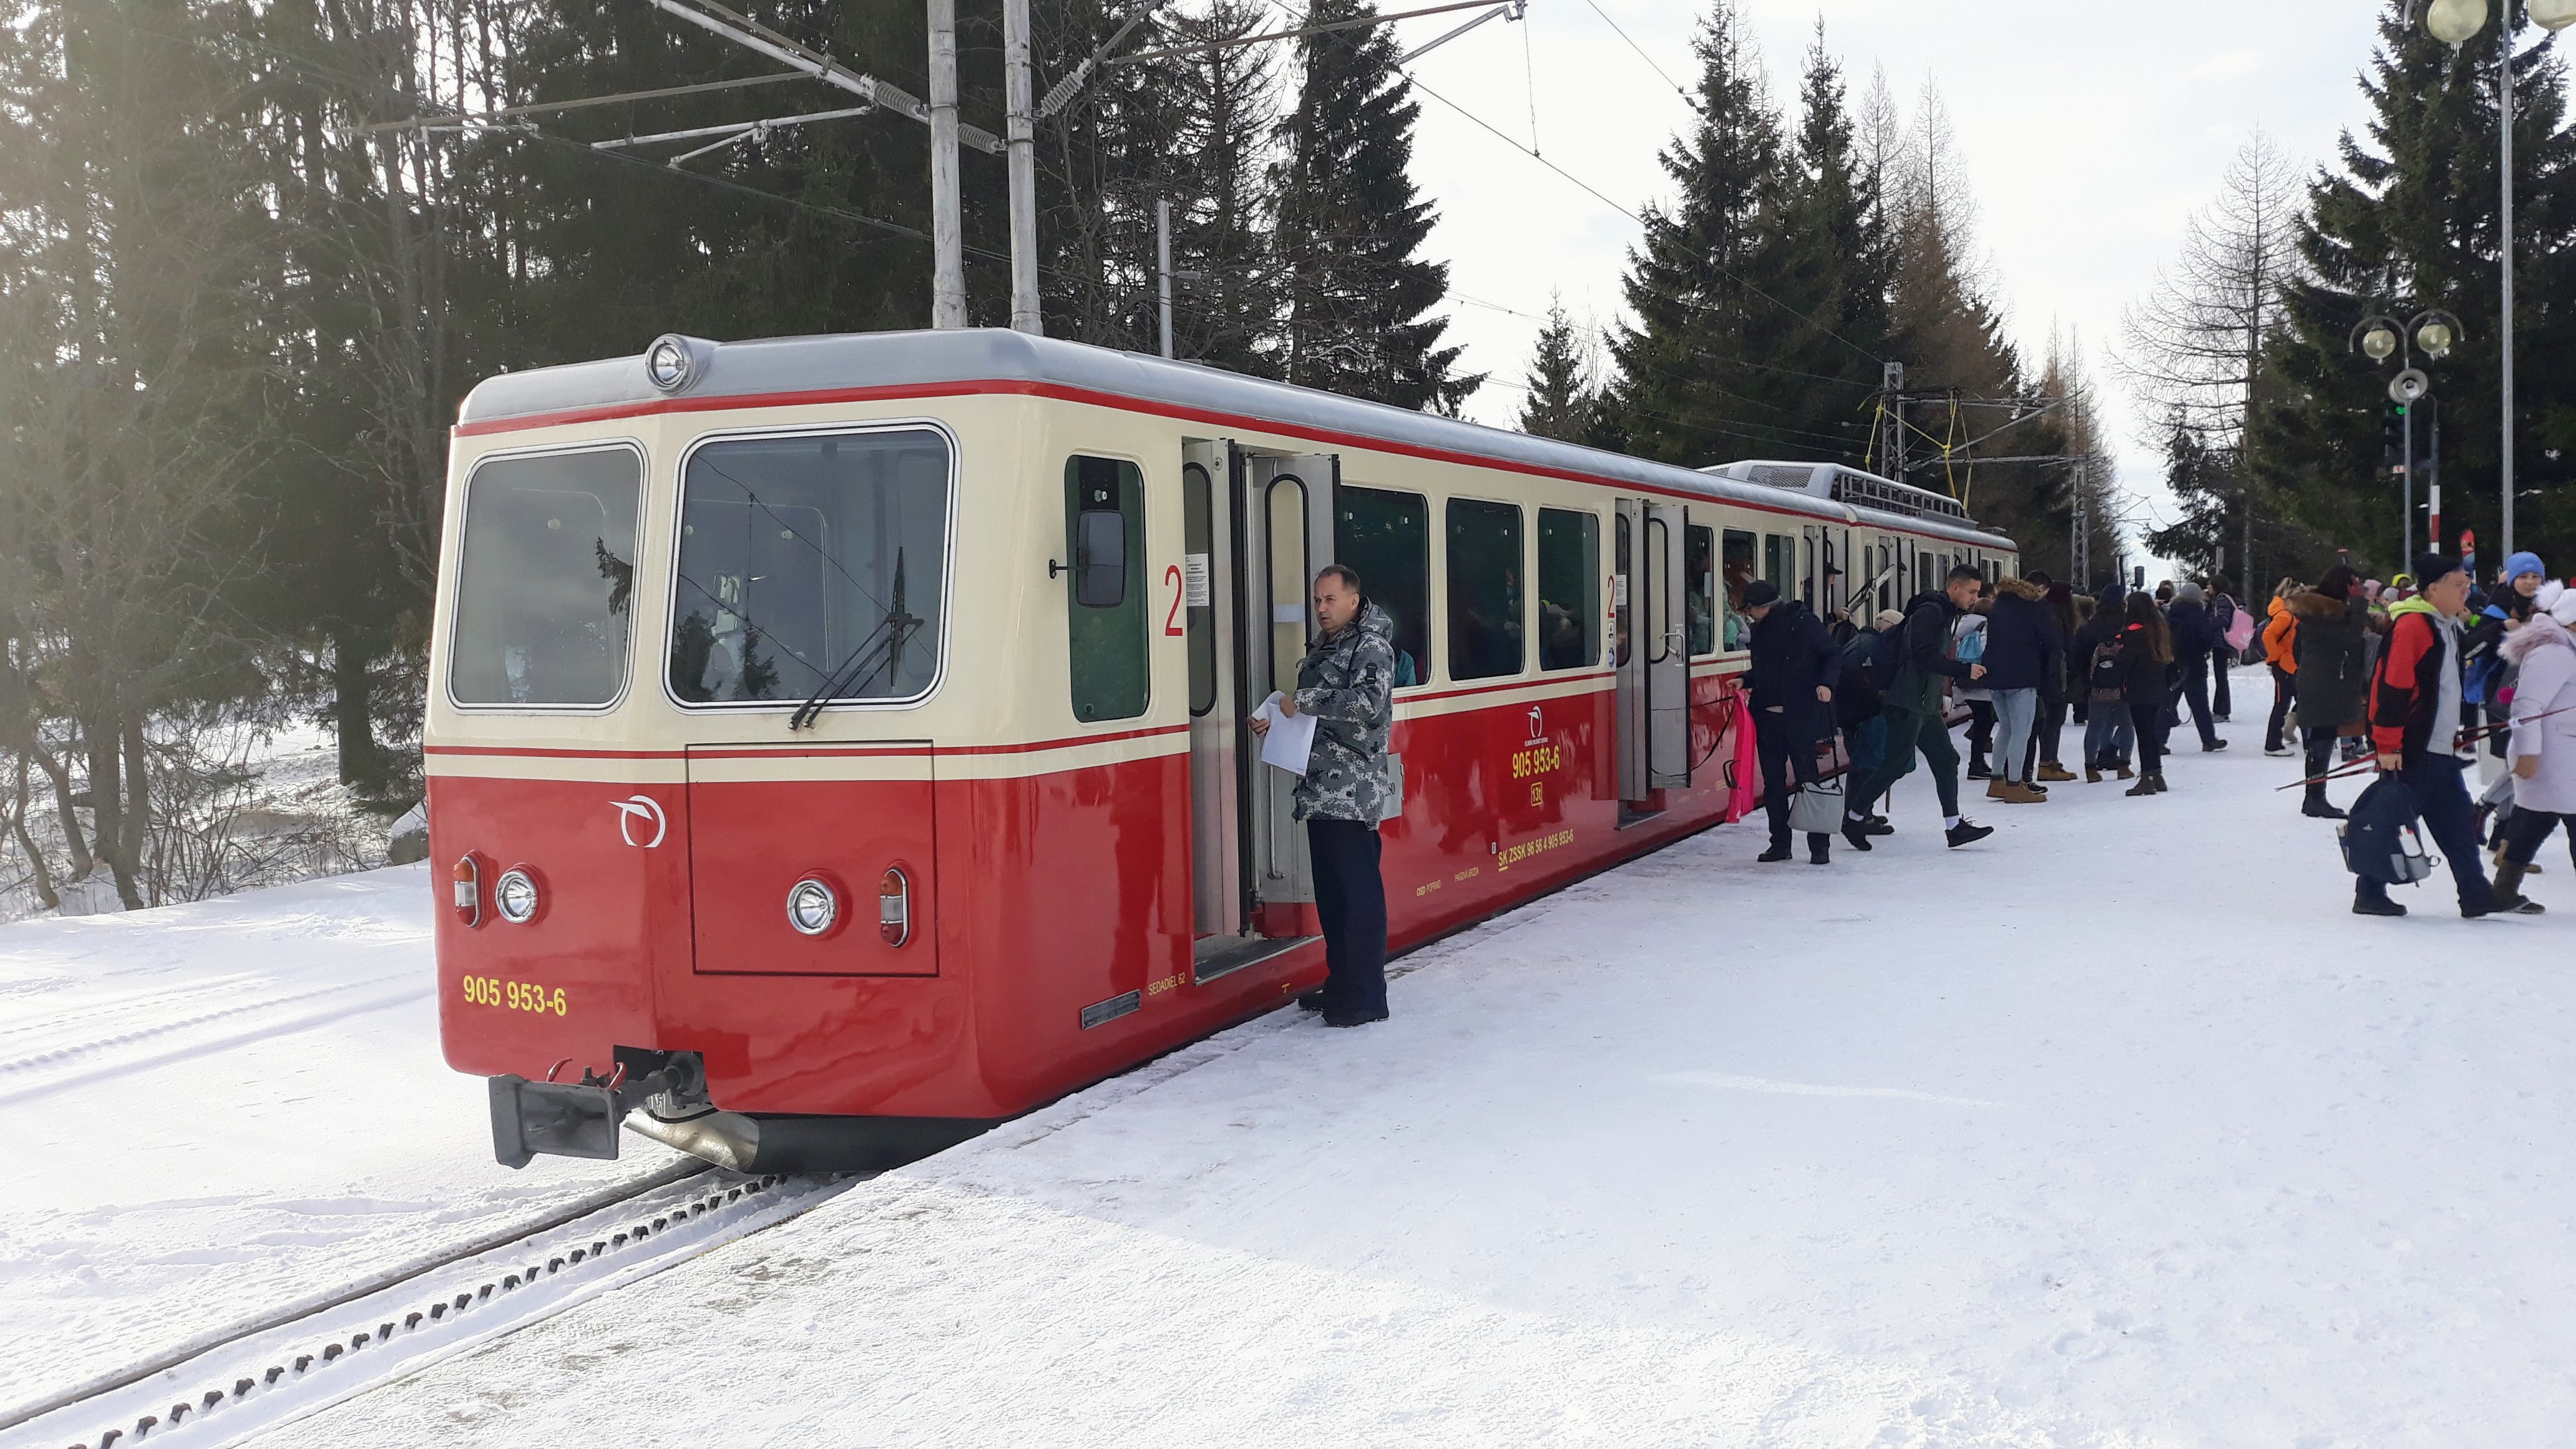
x: 1347, y: 682
x: 1968, y: 645
x: 2543, y: 652
x: 2415, y: 730
x: 2107, y: 734
x: 1856, y: 699
x: 2146, y: 664
x: 2332, y: 640
x: 1916, y: 721
x: 2022, y: 651
x: 2223, y: 610
x: 1792, y: 676
x: 2278, y: 629
x: 2195, y: 639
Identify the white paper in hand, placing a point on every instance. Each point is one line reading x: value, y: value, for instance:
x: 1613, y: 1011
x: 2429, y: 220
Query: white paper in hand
x: 1291, y: 740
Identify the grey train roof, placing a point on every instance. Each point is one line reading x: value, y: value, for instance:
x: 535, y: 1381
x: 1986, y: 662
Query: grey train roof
x: 893, y: 359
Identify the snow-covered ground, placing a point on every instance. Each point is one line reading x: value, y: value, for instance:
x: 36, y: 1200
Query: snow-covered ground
x: 2116, y: 1129
x: 217, y: 1109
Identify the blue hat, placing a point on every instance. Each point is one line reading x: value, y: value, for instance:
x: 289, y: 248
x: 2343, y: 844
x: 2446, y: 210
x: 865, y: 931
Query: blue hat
x: 2523, y: 563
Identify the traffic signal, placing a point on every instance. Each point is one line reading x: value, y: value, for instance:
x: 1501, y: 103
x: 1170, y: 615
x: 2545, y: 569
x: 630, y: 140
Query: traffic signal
x: 2392, y: 439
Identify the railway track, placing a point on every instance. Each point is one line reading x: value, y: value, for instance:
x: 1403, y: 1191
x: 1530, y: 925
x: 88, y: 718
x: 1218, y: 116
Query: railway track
x: 217, y: 1386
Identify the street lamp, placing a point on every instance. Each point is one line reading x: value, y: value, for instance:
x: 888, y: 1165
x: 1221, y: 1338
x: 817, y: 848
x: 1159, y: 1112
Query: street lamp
x: 2455, y: 23
x: 2379, y: 338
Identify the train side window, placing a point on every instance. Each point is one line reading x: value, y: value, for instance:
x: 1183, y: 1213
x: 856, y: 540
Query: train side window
x: 1738, y: 569
x: 1624, y: 595
x: 1198, y: 542
x: 1699, y: 582
x: 546, y: 570
x: 1779, y: 561
x: 1569, y: 589
x: 810, y: 561
x: 1104, y: 516
x: 1386, y: 536
x: 1485, y: 628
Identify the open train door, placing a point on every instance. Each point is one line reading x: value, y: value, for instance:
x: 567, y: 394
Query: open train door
x: 1652, y: 657
x: 1256, y: 529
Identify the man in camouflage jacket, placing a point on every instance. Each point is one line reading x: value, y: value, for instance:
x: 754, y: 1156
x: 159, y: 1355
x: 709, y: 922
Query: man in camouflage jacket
x: 1346, y: 681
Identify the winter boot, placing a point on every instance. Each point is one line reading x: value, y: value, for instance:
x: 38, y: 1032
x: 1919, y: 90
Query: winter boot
x: 1856, y: 832
x: 2158, y: 780
x: 1778, y: 852
x: 2376, y: 906
x: 2508, y: 891
x: 2092, y: 773
x: 1977, y: 768
x: 1820, y: 850
x: 2053, y: 773
x: 2126, y: 773
x: 2016, y: 793
x: 2208, y: 747
x: 1996, y: 785
x: 1967, y: 832
x: 1311, y: 1001
x: 2318, y: 807
x: 2146, y: 785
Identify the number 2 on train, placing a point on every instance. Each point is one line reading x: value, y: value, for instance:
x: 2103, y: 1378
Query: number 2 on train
x: 1180, y: 588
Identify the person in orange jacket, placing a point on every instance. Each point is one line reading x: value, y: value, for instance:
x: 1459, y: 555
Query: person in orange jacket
x: 2280, y: 650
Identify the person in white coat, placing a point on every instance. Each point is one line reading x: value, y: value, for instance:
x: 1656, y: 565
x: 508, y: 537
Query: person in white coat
x: 2544, y: 734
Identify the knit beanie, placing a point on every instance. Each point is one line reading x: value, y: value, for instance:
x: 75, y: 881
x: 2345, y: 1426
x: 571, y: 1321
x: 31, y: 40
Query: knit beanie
x: 2431, y: 569
x: 2523, y: 563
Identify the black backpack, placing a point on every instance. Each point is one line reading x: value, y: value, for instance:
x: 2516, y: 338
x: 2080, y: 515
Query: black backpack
x: 2104, y: 676
x: 2381, y: 841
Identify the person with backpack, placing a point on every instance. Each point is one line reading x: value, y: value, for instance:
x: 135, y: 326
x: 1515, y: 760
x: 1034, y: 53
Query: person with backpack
x: 2543, y: 652
x: 2145, y: 661
x: 2415, y: 732
x: 1857, y: 706
x: 2107, y: 731
x: 2278, y: 655
x: 2060, y: 688
x: 2225, y: 617
x: 1793, y: 672
x: 1968, y: 646
x: 2195, y: 638
x: 2332, y: 644
x: 2023, y: 649
x: 1916, y: 720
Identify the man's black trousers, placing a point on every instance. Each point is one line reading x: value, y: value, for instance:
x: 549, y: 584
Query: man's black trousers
x: 1350, y: 896
x: 1782, y: 758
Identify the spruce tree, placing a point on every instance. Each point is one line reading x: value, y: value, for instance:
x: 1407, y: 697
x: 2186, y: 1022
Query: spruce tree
x: 2202, y: 480
x: 1351, y: 227
x: 1684, y: 395
x: 1562, y: 399
x: 2408, y: 220
x: 1228, y: 311
x: 1838, y: 265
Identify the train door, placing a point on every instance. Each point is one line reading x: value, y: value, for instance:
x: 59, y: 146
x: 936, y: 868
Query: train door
x: 1653, y: 655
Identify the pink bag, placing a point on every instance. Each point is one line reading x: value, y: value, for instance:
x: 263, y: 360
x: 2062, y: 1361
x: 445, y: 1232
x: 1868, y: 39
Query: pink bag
x: 1744, y: 774
x: 2240, y: 631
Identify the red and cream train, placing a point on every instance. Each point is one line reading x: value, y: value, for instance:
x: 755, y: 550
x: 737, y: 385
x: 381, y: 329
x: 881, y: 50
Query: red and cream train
x: 837, y: 742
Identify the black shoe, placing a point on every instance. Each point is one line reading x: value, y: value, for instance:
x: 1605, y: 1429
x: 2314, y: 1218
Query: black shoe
x: 2146, y: 786
x: 1354, y: 1018
x: 1311, y: 1001
x: 1820, y: 855
x: 1773, y: 856
x: 2376, y: 906
x: 2212, y: 746
x: 1878, y: 826
x: 2158, y: 780
x: 2218, y: 719
x: 1977, y: 770
x: 1856, y: 832
x: 1966, y: 832
x: 2318, y: 807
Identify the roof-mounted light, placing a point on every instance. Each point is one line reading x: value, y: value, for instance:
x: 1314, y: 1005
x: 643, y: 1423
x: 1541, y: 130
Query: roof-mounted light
x: 669, y: 363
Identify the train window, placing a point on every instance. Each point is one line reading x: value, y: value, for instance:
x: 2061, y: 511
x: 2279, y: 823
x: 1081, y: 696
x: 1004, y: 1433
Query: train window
x: 1622, y: 552
x: 543, y: 579
x: 1198, y: 541
x: 1779, y: 562
x: 1104, y: 512
x: 1569, y: 589
x: 810, y: 562
x: 1738, y: 570
x: 1387, y: 538
x: 1485, y: 628
x: 1699, y: 583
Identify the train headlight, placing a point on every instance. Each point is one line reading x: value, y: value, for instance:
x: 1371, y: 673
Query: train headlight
x: 812, y: 907
x: 514, y: 895
x: 894, y: 908
x: 668, y: 364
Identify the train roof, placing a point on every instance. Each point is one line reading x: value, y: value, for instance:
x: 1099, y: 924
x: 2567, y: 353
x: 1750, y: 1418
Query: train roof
x: 770, y: 367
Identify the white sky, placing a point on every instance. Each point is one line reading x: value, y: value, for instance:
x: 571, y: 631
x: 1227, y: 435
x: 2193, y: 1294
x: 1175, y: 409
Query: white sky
x: 2090, y: 133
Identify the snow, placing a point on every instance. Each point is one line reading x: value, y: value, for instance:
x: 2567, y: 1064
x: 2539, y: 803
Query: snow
x: 215, y: 1109
x: 2115, y: 1129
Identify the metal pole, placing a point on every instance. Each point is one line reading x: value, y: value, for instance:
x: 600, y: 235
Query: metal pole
x: 1020, y: 129
x: 2406, y: 534
x: 1163, y: 264
x: 947, y: 224
x: 2432, y: 474
x: 2504, y: 113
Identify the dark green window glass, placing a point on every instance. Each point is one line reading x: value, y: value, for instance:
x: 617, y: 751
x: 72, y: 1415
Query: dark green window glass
x: 1699, y: 580
x: 1387, y: 538
x: 1779, y: 562
x: 1105, y: 605
x: 1485, y: 628
x: 1569, y: 589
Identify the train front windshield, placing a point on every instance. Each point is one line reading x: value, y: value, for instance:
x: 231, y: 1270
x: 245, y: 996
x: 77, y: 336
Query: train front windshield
x: 544, y: 579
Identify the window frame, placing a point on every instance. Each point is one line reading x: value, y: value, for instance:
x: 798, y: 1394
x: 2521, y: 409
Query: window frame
x: 1141, y: 577
x: 1592, y: 586
x: 1526, y: 546
x: 456, y: 571
x: 947, y: 564
x: 1422, y: 664
x: 1715, y: 528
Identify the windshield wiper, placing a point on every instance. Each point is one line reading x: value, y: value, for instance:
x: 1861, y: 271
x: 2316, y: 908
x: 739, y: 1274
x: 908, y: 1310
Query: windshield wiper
x: 886, y: 639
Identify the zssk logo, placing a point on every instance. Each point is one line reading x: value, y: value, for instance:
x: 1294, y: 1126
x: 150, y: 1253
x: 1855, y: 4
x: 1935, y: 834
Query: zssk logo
x: 646, y: 809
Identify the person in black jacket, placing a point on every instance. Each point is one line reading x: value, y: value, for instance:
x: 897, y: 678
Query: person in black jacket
x: 2195, y: 638
x: 2022, y: 652
x: 2107, y: 736
x: 2146, y: 664
x: 1914, y: 704
x: 1794, y: 670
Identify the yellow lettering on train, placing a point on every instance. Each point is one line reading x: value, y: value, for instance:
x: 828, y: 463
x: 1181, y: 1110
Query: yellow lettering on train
x: 1512, y: 855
